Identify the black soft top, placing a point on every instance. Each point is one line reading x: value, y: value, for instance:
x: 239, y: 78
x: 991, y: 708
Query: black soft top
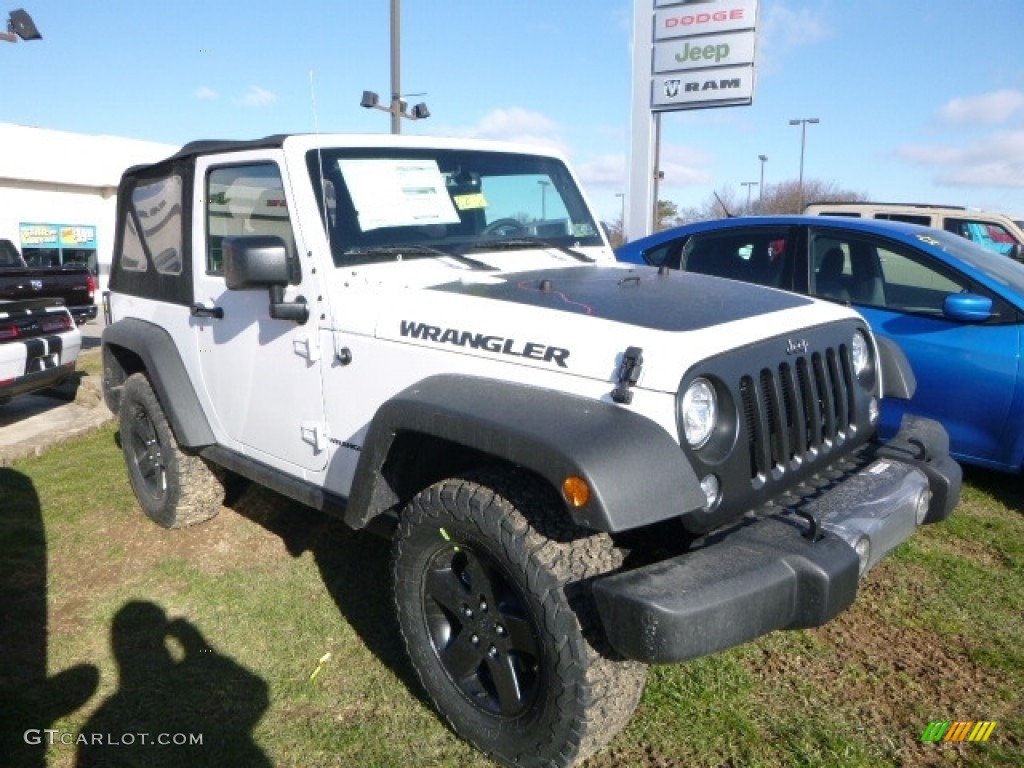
x: 210, y: 146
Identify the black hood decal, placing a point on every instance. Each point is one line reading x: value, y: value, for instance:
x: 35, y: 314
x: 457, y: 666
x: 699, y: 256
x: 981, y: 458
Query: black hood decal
x: 675, y: 301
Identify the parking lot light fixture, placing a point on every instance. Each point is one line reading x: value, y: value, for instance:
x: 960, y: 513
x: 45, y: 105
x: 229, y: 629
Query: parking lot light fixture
x: 20, y: 24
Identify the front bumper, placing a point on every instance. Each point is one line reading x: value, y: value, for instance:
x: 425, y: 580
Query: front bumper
x: 771, y: 572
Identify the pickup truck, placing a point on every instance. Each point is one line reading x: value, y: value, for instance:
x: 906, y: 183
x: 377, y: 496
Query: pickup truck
x: 74, y: 284
x: 39, y: 346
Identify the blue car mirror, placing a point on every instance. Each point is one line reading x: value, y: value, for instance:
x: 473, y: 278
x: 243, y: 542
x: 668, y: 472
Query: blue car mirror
x: 967, y: 307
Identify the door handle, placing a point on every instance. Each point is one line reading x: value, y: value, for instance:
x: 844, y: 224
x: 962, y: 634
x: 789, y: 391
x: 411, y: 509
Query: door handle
x: 198, y: 310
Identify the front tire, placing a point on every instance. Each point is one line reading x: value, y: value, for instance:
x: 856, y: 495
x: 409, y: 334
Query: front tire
x: 490, y: 584
x: 174, y: 488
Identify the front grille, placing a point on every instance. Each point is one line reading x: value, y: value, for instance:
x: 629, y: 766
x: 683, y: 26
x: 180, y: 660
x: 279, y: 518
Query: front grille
x: 797, y: 411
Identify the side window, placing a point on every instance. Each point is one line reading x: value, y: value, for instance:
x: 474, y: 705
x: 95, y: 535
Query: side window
x: 913, y: 285
x: 666, y: 253
x: 846, y: 268
x: 152, y: 255
x: 157, y: 205
x: 246, y: 200
x: 133, y: 257
x: 756, y: 255
x: 909, y: 218
x: 878, y: 273
x: 990, y: 235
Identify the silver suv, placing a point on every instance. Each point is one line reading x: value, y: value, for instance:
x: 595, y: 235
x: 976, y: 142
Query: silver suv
x: 994, y: 231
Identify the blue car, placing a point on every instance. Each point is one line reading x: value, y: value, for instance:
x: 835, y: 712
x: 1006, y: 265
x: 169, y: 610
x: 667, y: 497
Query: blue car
x: 955, y: 308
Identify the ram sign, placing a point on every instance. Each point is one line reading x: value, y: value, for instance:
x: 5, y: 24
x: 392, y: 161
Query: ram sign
x: 703, y: 53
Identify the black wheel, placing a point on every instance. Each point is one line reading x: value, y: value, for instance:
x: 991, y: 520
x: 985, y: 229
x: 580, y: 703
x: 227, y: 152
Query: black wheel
x: 492, y: 600
x: 504, y: 227
x: 174, y: 488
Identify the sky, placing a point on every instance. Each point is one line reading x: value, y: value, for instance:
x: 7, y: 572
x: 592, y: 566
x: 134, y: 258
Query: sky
x: 918, y: 100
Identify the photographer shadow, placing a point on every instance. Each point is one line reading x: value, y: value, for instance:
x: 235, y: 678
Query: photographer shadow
x: 31, y: 701
x: 179, y: 701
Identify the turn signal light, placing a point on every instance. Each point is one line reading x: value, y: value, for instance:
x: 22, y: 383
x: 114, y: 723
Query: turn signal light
x: 576, y: 491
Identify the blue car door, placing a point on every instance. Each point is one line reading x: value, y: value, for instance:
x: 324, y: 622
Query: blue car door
x: 966, y: 372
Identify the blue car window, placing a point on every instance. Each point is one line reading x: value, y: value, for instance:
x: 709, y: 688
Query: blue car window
x: 916, y: 287
x: 753, y: 256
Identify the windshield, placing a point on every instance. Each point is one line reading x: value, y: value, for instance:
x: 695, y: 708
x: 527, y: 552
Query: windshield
x: 380, y: 202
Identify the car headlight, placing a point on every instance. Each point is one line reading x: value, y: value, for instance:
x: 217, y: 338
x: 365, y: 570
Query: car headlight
x: 860, y: 352
x: 699, y: 412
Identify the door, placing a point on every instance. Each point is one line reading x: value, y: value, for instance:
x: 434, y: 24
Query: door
x: 262, y: 376
x: 966, y: 372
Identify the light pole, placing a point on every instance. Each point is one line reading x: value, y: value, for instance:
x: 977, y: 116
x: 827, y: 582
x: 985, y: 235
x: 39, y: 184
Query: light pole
x: 802, y: 122
x: 748, y: 185
x: 544, y: 199
x: 760, y: 189
x: 622, y: 215
x: 371, y: 100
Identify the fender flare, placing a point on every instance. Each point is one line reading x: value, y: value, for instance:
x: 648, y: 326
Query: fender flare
x: 636, y: 472
x: 166, y: 371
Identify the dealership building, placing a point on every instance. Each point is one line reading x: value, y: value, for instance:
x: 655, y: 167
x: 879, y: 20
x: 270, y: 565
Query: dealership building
x: 58, y: 192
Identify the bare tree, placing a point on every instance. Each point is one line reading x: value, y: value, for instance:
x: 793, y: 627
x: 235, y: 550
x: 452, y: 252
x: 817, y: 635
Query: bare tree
x: 778, y: 199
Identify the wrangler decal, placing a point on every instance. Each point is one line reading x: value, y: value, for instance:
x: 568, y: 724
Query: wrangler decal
x: 530, y: 350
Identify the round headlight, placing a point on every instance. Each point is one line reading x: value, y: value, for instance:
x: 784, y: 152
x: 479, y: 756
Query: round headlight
x: 861, y: 354
x: 700, y: 412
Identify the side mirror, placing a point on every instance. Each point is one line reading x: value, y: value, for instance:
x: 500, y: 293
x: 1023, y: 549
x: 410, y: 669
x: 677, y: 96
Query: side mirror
x: 1016, y: 252
x: 261, y: 261
x: 967, y: 307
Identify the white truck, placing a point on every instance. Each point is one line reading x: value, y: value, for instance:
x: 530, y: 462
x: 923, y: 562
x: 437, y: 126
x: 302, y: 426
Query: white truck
x: 585, y: 467
x: 39, y: 345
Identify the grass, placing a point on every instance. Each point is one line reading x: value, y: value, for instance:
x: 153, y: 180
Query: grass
x: 269, y: 631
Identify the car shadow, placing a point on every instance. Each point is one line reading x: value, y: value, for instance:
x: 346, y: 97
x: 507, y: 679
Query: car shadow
x: 354, y: 567
x: 1005, y: 487
x: 32, y: 700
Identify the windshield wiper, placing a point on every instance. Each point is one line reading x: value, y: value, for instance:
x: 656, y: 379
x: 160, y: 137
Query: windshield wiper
x: 514, y: 243
x: 397, y: 252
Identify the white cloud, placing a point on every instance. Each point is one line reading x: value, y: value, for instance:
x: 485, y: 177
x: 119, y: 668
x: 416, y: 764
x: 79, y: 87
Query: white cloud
x: 782, y: 30
x: 205, y: 93
x: 518, y: 125
x: 989, y: 108
x: 996, y: 160
x: 258, y: 97
x: 607, y: 171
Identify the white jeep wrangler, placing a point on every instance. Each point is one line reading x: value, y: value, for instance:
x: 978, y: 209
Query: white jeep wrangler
x: 586, y: 467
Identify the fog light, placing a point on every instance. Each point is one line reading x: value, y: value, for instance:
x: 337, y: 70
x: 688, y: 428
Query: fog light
x: 709, y: 484
x: 576, y: 491
x: 923, y: 502
x: 863, y: 549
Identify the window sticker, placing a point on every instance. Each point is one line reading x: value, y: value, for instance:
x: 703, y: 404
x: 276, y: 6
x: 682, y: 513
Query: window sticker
x: 397, y: 193
x: 471, y: 201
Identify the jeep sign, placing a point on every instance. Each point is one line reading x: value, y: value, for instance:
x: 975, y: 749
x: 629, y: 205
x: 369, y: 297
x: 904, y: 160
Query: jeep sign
x: 730, y: 49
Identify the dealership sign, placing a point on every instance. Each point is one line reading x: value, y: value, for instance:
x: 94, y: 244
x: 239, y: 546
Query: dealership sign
x: 703, y: 53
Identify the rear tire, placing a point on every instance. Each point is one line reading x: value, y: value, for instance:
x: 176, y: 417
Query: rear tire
x: 174, y: 488
x: 490, y: 586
